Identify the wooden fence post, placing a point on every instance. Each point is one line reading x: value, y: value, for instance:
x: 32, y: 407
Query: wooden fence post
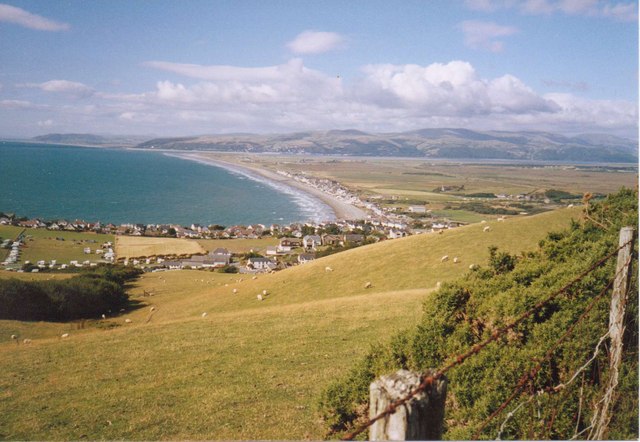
x: 419, y: 419
x: 616, y: 327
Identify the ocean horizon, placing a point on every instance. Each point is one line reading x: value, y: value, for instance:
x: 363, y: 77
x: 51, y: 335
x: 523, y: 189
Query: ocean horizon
x: 125, y: 186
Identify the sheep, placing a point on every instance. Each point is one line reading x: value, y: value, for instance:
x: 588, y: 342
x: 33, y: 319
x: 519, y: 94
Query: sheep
x: 14, y: 337
x: 501, y: 219
x: 259, y: 297
x: 103, y: 316
x: 128, y: 321
x: 482, y: 222
x: 368, y: 285
x: 153, y: 309
x: 473, y: 266
x: 264, y: 292
x: 486, y: 229
x: 456, y: 260
x: 328, y: 269
x: 570, y: 206
x: 444, y: 258
x: 64, y: 335
x: 27, y: 341
x: 254, y: 277
x: 438, y: 284
x: 204, y: 314
x: 235, y: 291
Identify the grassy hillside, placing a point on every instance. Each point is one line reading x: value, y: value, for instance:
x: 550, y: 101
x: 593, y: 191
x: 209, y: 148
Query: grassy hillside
x: 249, y: 369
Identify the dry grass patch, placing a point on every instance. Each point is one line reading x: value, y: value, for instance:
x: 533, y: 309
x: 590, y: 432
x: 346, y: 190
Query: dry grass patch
x: 138, y: 246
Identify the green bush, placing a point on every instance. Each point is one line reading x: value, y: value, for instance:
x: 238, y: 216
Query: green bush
x: 88, y: 295
x: 468, y: 311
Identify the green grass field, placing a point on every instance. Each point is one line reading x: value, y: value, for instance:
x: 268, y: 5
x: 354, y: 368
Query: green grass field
x: 41, y: 244
x: 248, y: 370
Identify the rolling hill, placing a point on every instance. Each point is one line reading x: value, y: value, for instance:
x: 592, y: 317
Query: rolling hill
x: 430, y: 143
x: 248, y: 369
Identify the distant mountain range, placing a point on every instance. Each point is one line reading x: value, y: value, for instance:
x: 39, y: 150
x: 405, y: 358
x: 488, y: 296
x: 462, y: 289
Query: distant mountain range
x: 429, y: 143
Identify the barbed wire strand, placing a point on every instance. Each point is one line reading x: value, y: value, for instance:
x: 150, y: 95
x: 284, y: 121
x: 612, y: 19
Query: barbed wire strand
x: 557, y: 388
x: 529, y: 376
x: 428, y: 380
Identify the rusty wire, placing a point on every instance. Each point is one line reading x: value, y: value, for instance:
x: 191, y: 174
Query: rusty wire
x: 428, y: 379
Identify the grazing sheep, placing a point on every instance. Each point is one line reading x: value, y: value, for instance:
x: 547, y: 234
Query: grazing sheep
x: 14, y: 337
x: 444, y: 258
x: 368, y: 285
x: 482, y: 222
x: 235, y: 291
x: 27, y: 341
x: 204, y: 314
x: 254, y: 277
x: 64, y: 335
x: 153, y: 309
x: 473, y: 266
x: 264, y: 292
x: 104, y: 316
x: 128, y: 321
x: 456, y: 260
x: 501, y: 219
x: 259, y: 297
x: 328, y: 269
x: 486, y: 229
x: 438, y: 284
x: 570, y: 206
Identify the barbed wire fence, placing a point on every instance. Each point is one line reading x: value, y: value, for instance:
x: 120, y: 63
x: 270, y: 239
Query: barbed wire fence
x: 430, y: 378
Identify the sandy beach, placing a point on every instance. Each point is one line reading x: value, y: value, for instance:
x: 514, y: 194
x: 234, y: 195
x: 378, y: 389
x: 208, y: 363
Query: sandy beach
x: 342, y: 210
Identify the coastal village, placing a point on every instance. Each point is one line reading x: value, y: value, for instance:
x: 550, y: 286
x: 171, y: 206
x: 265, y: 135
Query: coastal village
x: 298, y: 243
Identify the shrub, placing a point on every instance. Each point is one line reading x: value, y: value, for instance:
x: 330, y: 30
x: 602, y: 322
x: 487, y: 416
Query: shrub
x: 468, y: 311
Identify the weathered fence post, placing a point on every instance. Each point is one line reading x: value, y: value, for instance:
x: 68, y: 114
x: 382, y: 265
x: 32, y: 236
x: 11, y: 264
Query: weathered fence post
x: 419, y: 419
x: 616, y: 327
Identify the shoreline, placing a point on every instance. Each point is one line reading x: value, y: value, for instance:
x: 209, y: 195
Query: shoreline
x: 341, y: 210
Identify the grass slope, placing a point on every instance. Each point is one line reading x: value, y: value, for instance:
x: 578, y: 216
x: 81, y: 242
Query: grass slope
x: 248, y: 370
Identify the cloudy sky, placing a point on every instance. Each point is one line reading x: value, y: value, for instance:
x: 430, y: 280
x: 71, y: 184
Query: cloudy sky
x: 172, y: 68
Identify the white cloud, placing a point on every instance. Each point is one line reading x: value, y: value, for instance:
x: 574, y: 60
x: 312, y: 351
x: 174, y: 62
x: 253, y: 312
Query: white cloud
x: 616, y: 10
x: 484, y: 35
x: 315, y: 42
x: 291, y: 97
x: 12, y: 14
x: 63, y: 86
x: 45, y: 123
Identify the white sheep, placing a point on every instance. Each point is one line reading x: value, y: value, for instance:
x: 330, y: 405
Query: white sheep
x: 368, y: 285
x: 254, y: 277
x: 204, y: 314
x: 104, y: 316
x: 153, y: 309
x: 235, y: 291
x: 486, y: 229
x: 27, y: 341
x: 128, y: 321
x: 259, y: 297
x: 456, y: 260
x: 64, y: 335
x: 328, y: 269
x: 482, y: 222
x: 264, y: 292
x: 444, y: 258
x: 473, y: 266
x: 501, y: 219
x: 14, y: 337
x: 438, y: 284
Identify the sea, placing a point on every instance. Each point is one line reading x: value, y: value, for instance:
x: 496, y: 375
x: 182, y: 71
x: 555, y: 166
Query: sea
x: 127, y: 186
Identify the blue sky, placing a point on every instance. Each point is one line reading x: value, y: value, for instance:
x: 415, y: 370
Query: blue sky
x: 173, y: 68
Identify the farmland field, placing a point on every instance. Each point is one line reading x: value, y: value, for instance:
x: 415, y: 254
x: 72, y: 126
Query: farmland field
x: 138, y: 246
x: 63, y: 246
x: 246, y: 370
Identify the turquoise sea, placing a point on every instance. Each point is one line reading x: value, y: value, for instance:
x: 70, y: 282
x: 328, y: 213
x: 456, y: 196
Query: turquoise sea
x: 124, y: 186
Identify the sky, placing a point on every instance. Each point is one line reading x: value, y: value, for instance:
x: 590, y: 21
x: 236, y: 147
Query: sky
x: 192, y: 67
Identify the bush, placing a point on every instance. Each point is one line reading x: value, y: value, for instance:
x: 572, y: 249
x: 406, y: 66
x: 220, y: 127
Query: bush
x: 464, y: 313
x: 88, y: 295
